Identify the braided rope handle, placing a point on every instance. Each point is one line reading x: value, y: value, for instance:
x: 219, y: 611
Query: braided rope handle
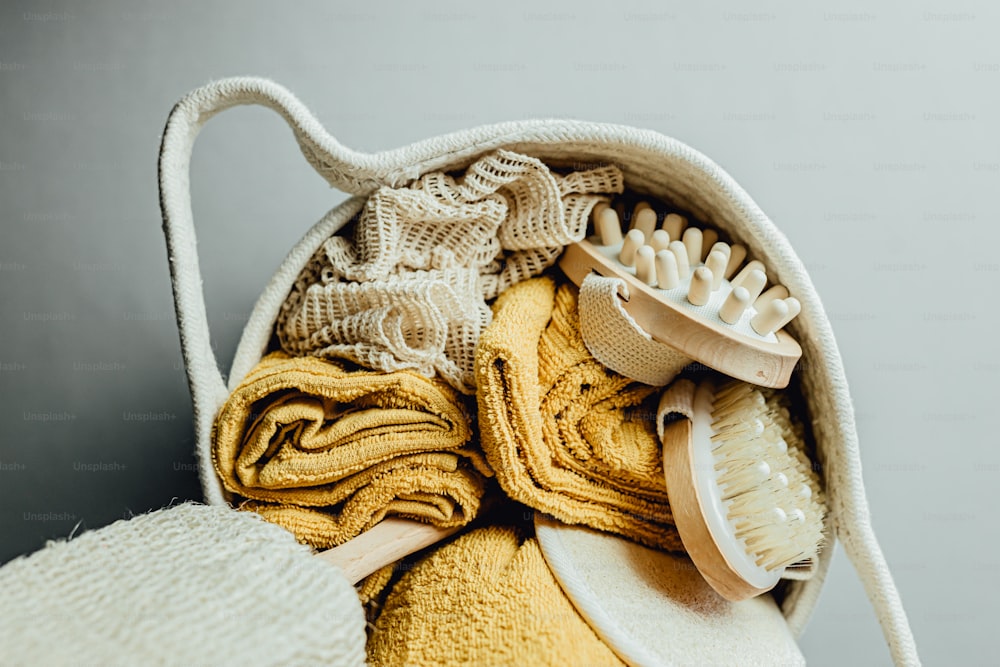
x: 344, y: 169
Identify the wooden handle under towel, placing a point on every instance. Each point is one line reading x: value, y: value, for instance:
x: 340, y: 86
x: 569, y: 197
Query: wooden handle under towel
x: 383, y: 544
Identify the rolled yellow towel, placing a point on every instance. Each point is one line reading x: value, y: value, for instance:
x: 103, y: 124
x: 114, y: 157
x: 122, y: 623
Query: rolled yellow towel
x: 487, y: 598
x: 327, y: 449
x: 564, y: 434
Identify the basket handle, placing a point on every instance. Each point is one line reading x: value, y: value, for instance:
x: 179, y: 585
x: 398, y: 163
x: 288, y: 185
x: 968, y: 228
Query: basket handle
x: 344, y: 169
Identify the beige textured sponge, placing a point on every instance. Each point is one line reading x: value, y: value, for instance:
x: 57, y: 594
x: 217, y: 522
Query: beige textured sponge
x: 188, y: 585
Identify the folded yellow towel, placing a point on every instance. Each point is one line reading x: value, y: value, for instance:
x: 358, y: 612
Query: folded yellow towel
x: 487, y: 598
x: 373, y: 589
x: 564, y: 434
x: 327, y: 449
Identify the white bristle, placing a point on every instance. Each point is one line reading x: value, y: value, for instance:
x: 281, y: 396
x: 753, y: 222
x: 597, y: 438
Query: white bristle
x: 747, y: 429
x: 737, y: 254
x: 735, y: 483
x: 692, y: 241
x: 737, y: 418
x: 730, y: 404
x: 633, y: 241
x: 674, y: 225
x: 681, y: 256
x: 770, y: 492
x: 735, y: 392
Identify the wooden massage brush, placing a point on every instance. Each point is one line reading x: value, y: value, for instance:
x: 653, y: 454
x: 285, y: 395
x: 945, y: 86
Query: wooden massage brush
x: 685, y: 291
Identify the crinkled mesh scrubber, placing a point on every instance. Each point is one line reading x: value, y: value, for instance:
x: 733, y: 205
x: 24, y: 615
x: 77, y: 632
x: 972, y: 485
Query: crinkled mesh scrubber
x: 409, y: 290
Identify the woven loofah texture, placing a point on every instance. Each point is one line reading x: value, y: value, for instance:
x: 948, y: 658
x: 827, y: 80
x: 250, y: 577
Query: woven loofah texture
x: 564, y: 434
x: 188, y: 585
x: 328, y: 451
x: 409, y: 289
x: 614, y: 338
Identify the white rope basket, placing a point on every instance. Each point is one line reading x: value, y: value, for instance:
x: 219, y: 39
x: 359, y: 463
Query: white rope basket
x: 653, y: 164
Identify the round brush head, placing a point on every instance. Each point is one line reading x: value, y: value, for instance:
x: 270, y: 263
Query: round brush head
x: 746, y: 500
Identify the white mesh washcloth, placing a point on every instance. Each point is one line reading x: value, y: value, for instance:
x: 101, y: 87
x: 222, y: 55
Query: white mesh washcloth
x: 409, y: 289
x: 428, y: 321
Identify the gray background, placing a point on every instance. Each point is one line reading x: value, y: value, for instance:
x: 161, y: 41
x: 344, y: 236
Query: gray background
x: 868, y: 132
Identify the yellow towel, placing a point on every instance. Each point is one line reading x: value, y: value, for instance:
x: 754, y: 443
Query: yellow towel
x: 487, y: 598
x: 564, y: 434
x: 327, y: 449
x: 373, y: 589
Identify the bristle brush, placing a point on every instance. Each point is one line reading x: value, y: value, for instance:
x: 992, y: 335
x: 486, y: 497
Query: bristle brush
x: 745, y: 498
x: 693, y: 292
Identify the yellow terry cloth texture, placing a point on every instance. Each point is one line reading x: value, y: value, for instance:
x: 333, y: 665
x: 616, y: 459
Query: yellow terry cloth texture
x: 372, y: 591
x: 564, y: 434
x: 487, y: 598
x: 327, y: 449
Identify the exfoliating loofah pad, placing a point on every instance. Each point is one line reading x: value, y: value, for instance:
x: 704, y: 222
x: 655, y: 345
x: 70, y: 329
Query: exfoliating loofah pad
x: 654, y: 608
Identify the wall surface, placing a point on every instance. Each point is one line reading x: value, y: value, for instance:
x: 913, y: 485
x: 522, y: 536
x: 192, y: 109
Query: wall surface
x: 867, y: 131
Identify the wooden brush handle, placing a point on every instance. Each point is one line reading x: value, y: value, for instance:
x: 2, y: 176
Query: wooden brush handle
x: 680, y: 472
x: 385, y: 543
